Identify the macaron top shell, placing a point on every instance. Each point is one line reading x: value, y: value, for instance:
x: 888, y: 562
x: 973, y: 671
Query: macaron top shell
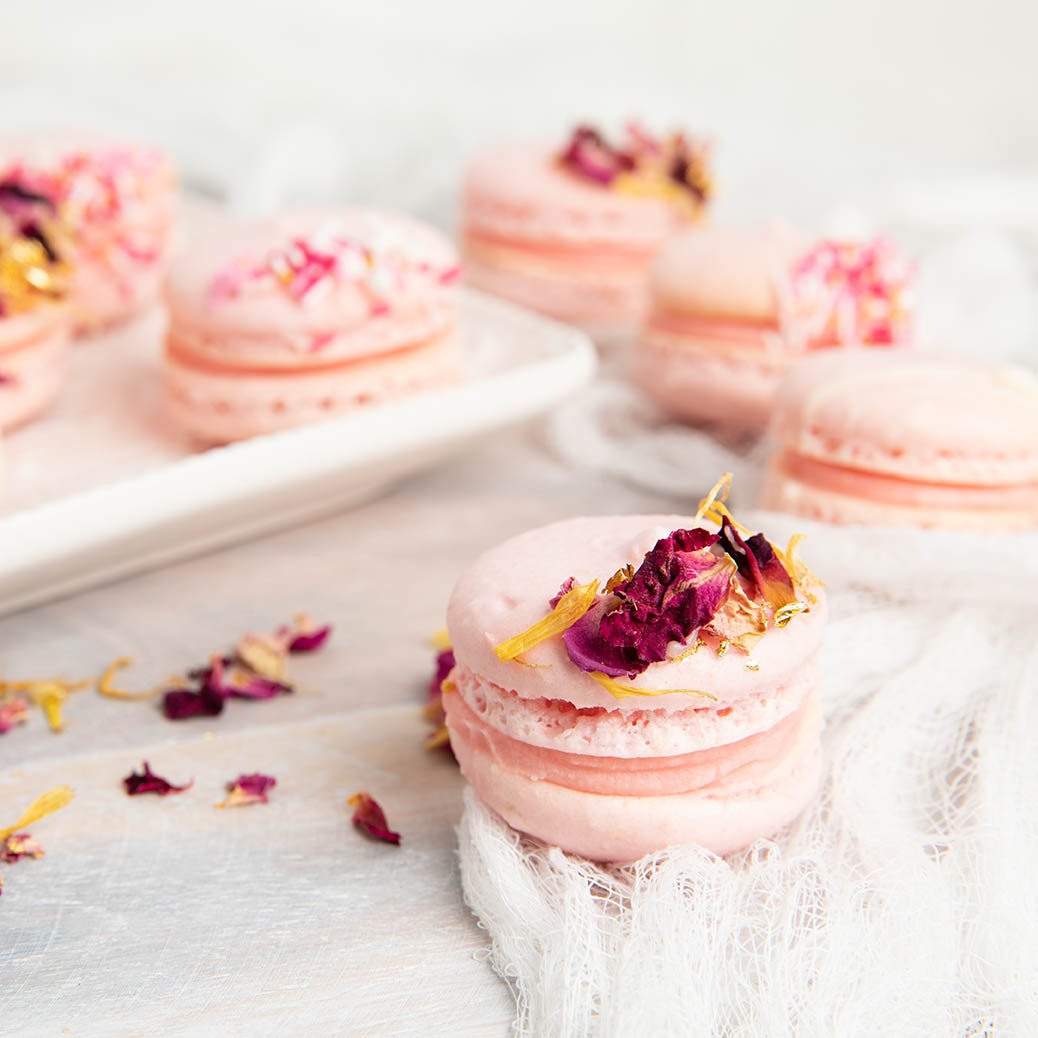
x: 520, y: 191
x: 923, y: 417
x: 726, y: 273
x: 508, y: 589
x: 389, y: 281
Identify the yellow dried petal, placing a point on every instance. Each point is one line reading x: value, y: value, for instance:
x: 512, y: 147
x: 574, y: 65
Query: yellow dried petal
x: 719, y: 492
x: 440, y: 640
x: 440, y: 737
x: 50, y: 697
x: 45, y: 804
x: 570, y: 608
x: 619, y: 690
x: 621, y: 576
x: 263, y: 656
x: 106, y: 688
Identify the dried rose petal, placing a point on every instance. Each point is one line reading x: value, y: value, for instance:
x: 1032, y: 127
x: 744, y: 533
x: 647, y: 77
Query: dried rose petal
x: 370, y: 819
x: 434, y: 713
x: 262, y: 655
x: 148, y: 782
x: 677, y: 589
x: 444, y: 665
x: 759, y: 565
x: 230, y: 681
x: 305, y: 635
x: 179, y: 704
x: 18, y: 846
x: 13, y: 711
x: 588, y: 154
x: 564, y: 589
x: 248, y: 789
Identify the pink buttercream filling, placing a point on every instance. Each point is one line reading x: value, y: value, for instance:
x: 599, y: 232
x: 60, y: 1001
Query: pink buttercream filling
x: 642, y: 776
x: 905, y: 490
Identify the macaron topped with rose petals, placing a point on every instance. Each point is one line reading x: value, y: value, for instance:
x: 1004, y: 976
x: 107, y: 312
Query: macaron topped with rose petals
x: 305, y: 316
x: 734, y: 309
x: 34, y: 335
x: 117, y: 200
x: 571, y: 228
x: 626, y: 683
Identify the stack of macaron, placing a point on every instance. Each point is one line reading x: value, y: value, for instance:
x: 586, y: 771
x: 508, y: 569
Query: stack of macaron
x: 307, y: 315
x: 34, y: 329
x: 570, y: 230
x: 624, y: 684
x: 733, y: 310
x: 916, y: 439
x: 117, y: 200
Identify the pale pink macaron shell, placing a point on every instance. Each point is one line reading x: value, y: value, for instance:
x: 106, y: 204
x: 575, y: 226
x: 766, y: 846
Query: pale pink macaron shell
x: 520, y: 191
x: 726, y: 273
x: 223, y: 406
x: 916, y: 417
x: 109, y: 286
x: 644, y: 731
x: 507, y: 590
x: 753, y: 801
x: 263, y: 326
x: 34, y: 356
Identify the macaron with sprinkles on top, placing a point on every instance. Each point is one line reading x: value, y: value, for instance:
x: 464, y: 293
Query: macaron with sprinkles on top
x: 307, y: 316
x: 623, y: 684
x: 733, y: 310
x: 118, y: 201
x: 571, y: 229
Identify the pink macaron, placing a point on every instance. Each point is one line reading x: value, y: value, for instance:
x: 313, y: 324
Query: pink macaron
x: 34, y: 322
x: 117, y: 200
x: 624, y: 684
x: 732, y: 310
x: 306, y: 316
x: 570, y: 230
x: 891, y: 438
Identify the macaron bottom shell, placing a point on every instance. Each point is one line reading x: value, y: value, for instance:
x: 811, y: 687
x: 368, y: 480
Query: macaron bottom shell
x: 596, y: 288
x: 32, y: 371
x: 834, y: 494
x: 751, y: 801
x: 218, y: 405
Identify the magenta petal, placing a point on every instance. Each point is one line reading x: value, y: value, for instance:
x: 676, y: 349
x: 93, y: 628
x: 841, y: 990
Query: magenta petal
x: 444, y: 665
x: 148, y: 782
x: 757, y: 563
x: 676, y: 590
x: 309, y: 641
x: 181, y: 703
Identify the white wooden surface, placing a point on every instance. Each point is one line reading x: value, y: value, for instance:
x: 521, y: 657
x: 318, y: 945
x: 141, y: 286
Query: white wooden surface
x: 280, y: 918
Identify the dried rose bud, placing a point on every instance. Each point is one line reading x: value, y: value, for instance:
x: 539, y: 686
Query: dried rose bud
x: 370, y: 819
x: 148, y: 782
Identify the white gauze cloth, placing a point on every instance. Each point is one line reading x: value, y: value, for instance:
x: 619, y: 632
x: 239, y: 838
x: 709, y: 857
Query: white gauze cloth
x: 903, y: 903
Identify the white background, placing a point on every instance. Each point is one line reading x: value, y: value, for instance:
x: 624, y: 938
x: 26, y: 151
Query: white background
x: 812, y: 103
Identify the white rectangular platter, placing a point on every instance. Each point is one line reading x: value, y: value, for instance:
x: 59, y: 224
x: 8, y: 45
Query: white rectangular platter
x: 102, y: 488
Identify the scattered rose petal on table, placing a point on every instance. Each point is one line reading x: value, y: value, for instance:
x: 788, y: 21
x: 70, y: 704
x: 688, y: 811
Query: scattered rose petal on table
x: 18, y: 846
x: 13, y: 711
x: 248, y: 789
x: 148, y: 782
x: 434, y: 712
x: 370, y: 819
x: 305, y: 635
